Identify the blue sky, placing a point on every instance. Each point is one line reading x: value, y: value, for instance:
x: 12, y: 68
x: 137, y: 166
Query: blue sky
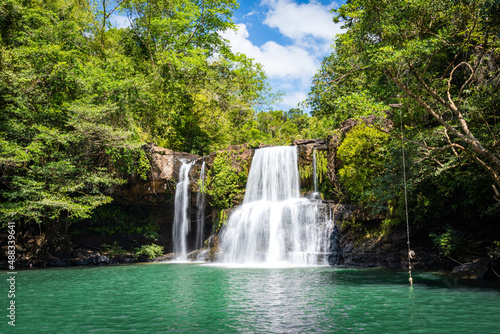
x: 289, y: 38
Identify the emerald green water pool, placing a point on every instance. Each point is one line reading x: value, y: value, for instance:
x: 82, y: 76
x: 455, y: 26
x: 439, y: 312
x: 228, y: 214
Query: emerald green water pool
x: 192, y: 298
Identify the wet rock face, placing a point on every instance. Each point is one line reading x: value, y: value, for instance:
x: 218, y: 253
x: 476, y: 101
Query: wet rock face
x: 162, y: 163
x: 387, y: 250
x: 336, y: 256
x: 306, y: 147
x: 305, y: 157
x: 165, y: 167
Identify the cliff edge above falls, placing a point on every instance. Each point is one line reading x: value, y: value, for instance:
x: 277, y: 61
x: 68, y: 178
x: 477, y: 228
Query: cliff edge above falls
x: 166, y: 164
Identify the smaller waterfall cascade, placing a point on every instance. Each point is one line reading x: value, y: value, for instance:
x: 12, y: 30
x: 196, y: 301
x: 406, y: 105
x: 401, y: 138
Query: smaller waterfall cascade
x: 315, y: 178
x: 181, y: 215
x: 200, y: 203
x: 274, y: 225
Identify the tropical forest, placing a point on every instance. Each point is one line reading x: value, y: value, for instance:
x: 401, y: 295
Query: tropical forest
x: 150, y: 174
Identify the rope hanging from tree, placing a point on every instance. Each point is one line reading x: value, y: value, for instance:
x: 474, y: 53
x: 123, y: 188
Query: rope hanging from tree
x: 411, y: 253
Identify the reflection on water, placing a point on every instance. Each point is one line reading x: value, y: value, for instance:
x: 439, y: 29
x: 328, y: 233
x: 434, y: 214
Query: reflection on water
x: 189, y: 298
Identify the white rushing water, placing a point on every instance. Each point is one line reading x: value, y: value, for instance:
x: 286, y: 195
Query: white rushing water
x: 315, y: 178
x: 200, y: 203
x: 274, y: 226
x: 181, y: 215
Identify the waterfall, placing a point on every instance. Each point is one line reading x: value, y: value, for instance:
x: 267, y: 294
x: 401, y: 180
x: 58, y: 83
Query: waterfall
x: 200, y: 203
x: 274, y: 225
x: 314, y: 172
x: 181, y: 216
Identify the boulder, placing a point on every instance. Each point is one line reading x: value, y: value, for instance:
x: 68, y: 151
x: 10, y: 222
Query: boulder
x: 471, y: 270
x: 101, y: 259
x: 94, y: 259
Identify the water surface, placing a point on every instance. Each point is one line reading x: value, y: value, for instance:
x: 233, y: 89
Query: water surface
x: 194, y: 298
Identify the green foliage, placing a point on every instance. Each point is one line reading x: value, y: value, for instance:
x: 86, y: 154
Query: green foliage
x: 129, y: 161
x: 152, y: 235
x: 363, y: 153
x: 305, y: 171
x: 113, y: 250
x: 221, y: 219
x: 225, y: 183
x: 437, y: 61
x: 447, y: 242
x: 151, y: 251
x: 318, y: 127
x: 113, y: 219
x: 321, y: 166
x: 56, y: 122
x: 388, y: 224
x: 197, y: 94
x: 434, y: 67
x: 495, y: 247
x: 274, y: 127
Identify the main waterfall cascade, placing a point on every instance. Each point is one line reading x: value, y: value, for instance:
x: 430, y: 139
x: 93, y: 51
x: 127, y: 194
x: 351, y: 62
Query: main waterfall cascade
x: 274, y: 225
x: 181, y: 216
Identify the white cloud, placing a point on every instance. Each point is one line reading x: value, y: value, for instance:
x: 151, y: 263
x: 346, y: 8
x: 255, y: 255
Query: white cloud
x: 292, y: 99
x: 297, y: 21
x: 279, y: 61
x: 253, y: 12
x: 119, y: 21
